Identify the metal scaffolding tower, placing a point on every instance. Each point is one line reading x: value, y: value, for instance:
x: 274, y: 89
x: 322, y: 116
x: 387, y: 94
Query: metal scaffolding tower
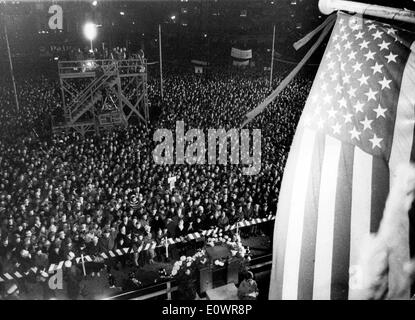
x: 101, y: 94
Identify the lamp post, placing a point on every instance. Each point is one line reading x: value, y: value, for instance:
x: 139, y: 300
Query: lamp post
x: 161, y: 64
x: 90, y: 32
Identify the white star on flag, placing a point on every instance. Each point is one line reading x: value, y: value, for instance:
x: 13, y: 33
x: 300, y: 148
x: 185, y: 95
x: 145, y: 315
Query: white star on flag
x: 384, y: 45
x: 377, y: 68
x: 342, y: 103
x: 355, y: 133
x: 371, y: 94
x: 336, y: 128
x: 372, y: 26
x: 348, y: 45
x: 366, y: 123
x: 344, y: 36
x: 338, y: 88
x: 391, y: 57
x: 327, y: 98
x: 391, y: 31
x: 357, y: 66
x: 375, y: 141
x: 331, y: 64
x: 346, y: 78
x: 332, y: 112
x: 363, y: 44
x: 358, y: 106
x: 363, y: 79
x: 380, y: 112
x: 352, y: 92
x: 370, y: 55
x: 377, y: 35
x: 347, y: 117
x: 359, y: 35
x: 385, y: 83
x: 352, y: 55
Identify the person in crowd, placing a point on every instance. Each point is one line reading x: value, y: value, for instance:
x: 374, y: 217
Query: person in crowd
x: 248, y: 288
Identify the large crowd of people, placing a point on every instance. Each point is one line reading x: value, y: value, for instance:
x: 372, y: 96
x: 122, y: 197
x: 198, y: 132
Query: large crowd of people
x: 63, y: 195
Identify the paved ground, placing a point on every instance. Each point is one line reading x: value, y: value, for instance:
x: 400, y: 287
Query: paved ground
x: 98, y: 287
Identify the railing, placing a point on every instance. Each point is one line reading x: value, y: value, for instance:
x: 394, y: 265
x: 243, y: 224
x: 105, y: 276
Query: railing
x: 160, y: 289
x: 167, y: 287
x: 82, y: 66
x: 92, y: 87
x: 112, y: 117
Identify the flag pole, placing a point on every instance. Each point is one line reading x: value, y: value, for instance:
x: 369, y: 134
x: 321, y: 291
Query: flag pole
x: 167, y: 248
x: 272, y: 59
x: 83, y: 264
x: 329, y: 6
x: 11, y: 65
x: 161, y: 64
x: 253, y: 113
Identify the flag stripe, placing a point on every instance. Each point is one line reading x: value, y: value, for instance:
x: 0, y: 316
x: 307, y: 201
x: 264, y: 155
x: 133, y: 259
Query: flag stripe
x: 305, y: 285
x: 412, y: 212
x: 380, y: 191
x: 402, y: 146
x: 341, y: 231
x: 325, y: 222
x: 281, y: 222
x: 360, y: 206
x: 296, y: 216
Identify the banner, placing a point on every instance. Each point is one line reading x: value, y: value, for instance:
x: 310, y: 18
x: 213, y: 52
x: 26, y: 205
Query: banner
x: 199, y: 62
x: 240, y: 63
x: 241, y: 54
x: 46, y: 50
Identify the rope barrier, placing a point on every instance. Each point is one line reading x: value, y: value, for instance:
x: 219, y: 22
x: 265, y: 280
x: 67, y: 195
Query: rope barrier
x: 124, y: 251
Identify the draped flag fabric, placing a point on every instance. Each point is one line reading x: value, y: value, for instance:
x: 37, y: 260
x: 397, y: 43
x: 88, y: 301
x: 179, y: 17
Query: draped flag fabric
x: 357, y: 126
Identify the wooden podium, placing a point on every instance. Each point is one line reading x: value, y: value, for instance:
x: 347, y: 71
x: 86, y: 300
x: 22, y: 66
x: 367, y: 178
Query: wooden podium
x: 212, y: 276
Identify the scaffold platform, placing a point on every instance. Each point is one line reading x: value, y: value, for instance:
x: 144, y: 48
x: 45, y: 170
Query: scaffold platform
x: 101, y: 94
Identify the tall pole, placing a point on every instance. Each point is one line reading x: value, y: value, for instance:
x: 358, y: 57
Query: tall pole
x: 11, y: 66
x: 161, y: 64
x: 272, y: 59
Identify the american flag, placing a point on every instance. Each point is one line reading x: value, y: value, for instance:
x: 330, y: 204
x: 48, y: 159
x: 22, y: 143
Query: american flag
x: 357, y: 126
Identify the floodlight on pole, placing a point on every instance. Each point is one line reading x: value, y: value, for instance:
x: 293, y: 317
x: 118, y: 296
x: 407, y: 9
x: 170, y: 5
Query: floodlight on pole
x: 90, y: 32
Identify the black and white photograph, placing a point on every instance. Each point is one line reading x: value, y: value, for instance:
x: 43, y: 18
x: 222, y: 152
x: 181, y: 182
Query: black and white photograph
x: 207, y: 155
